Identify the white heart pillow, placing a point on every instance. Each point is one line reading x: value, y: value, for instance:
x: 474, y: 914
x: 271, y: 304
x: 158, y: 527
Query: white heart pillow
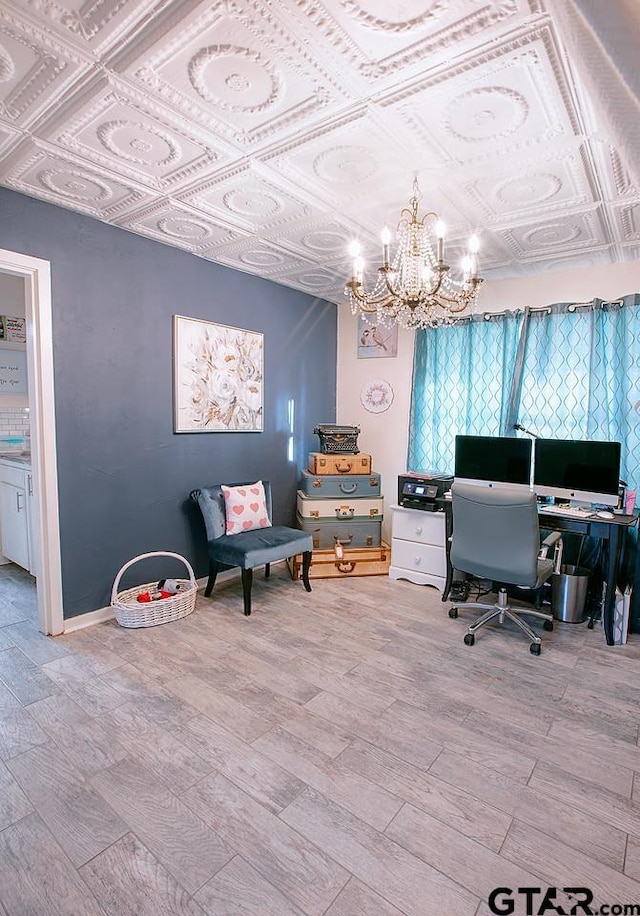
x: 246, y: 507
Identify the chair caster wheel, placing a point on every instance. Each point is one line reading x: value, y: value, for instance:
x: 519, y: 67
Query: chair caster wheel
x: 548, y: 625
x: 453, y: 612
x: 534, y: 648
x: 469, y: 639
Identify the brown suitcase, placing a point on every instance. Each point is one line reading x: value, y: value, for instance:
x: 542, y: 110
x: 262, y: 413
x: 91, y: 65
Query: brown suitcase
x: 357, y: 561
x: 339, y: 464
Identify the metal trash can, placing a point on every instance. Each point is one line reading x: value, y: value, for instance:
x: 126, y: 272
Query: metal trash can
x: 569, y: 593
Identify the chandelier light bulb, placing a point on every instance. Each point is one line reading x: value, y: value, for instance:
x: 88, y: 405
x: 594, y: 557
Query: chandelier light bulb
x: 474, y: 245
x: 385, y: 235
x: 440, y: 230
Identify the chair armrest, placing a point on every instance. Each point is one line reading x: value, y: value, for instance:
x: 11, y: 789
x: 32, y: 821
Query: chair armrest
x: 552, y: 538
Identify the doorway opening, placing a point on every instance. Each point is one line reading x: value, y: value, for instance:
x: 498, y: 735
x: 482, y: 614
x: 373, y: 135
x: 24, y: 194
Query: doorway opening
x: 38, y: 311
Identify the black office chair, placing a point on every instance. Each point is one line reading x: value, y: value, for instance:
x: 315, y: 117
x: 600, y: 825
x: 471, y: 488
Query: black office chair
x: 496, y: 536
x: 248, y: 549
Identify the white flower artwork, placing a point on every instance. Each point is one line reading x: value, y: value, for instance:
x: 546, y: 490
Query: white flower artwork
x: 218, y: 377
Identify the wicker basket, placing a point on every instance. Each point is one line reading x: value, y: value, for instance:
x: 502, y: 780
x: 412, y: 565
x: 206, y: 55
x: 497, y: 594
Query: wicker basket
x: 133, y: 613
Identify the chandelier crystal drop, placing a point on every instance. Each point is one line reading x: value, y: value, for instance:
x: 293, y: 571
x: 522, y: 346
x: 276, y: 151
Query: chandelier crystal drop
x: 415, y: 290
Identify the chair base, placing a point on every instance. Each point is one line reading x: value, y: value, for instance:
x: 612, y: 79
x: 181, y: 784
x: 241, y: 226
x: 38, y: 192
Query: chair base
x: 500, y: 610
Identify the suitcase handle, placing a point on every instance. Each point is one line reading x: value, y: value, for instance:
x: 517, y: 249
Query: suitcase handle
x: 345, y: 512
x: 343, y: 470
x: 345, y: 567
x: 343, y: 542
x: 346, y: 488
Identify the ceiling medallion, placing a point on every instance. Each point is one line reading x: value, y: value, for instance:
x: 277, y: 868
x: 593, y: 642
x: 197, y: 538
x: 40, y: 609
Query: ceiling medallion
x: 415, y: 290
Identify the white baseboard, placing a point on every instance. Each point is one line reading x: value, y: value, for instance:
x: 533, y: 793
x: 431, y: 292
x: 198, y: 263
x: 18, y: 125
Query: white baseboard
x: 73, y: 624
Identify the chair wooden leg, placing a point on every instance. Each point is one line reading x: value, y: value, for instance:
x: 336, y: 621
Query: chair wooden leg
x: 306, y: 564
x: 247, y: 581
x: 213, y: 572
x: 267, y: 570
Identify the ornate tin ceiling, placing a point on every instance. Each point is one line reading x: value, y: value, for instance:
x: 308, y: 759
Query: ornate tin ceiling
x: 266, y: 135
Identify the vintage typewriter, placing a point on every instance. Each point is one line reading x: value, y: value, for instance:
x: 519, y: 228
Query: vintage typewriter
x: 336, y: 440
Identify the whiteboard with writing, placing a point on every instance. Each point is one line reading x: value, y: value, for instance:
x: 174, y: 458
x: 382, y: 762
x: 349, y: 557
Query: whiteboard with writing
x: 13, y: 372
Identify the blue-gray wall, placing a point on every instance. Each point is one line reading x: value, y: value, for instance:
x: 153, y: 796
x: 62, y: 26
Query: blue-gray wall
x: 124, y: 476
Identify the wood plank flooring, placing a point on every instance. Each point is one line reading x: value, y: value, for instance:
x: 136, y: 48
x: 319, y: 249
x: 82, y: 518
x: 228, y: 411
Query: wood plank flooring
x: 339, y: 753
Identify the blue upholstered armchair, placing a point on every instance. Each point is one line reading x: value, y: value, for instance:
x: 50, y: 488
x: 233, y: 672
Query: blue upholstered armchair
x: 248, y: 549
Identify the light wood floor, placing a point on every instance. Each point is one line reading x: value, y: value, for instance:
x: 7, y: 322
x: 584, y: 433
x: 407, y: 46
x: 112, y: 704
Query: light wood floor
x: 338, y: 753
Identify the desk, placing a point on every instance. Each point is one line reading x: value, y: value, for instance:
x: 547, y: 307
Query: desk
x: 609, y: 530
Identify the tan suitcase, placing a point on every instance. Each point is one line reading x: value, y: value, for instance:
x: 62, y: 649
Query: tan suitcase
x: 357, y: 561
x: 339, y: 464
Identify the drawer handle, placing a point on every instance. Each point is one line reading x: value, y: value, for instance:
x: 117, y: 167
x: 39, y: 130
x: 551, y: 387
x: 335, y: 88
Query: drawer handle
x: 417, y: 561
x: 419, y: 529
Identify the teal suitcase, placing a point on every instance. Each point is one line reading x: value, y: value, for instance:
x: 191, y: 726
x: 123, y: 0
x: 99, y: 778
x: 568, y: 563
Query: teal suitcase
x: 349, y: 532
x: 337, y: 486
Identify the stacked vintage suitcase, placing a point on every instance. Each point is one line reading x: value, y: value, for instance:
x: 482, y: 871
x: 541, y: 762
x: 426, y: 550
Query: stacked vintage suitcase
x: 340, y: 505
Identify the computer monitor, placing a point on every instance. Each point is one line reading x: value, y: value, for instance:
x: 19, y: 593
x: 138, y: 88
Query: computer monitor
x: 491, y: 461
x: 578, y: 470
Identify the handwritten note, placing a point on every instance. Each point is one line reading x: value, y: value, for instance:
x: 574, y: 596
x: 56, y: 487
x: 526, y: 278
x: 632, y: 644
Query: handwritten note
x: 13, y: 372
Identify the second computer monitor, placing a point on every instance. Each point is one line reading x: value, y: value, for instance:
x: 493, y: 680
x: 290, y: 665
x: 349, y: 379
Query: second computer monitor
x: 580, y: 470
x: 493, y: 460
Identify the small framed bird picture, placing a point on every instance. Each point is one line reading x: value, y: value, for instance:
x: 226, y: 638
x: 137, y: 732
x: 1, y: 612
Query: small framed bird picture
x: 376, y: 340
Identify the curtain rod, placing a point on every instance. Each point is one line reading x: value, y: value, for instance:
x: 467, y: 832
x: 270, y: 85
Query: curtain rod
x: 548, y: 309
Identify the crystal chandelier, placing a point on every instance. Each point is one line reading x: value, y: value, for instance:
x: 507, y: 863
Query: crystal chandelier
x: 416, y: 289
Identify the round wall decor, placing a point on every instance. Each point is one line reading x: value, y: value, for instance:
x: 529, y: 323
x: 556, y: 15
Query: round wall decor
x: 376, y: 396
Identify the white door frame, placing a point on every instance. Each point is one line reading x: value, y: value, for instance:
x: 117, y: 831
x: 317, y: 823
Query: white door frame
x: 38, y: 310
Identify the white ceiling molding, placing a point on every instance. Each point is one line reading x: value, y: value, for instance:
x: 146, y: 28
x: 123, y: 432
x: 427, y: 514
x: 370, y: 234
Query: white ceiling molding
x: 267, y: 136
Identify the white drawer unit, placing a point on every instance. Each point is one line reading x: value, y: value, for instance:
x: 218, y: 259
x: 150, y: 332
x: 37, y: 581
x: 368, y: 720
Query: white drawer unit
x: 418, y: 551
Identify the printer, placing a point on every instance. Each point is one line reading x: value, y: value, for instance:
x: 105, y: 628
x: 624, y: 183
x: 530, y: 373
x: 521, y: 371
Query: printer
x: 422, y: 489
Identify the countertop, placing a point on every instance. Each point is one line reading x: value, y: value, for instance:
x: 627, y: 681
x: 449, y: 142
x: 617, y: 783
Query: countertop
x: 19, y: 458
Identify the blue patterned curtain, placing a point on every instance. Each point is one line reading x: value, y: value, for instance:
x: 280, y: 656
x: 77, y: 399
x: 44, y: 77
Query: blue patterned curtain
x: 563, y: 372
x: 460, y: 376
x: 581, y: 377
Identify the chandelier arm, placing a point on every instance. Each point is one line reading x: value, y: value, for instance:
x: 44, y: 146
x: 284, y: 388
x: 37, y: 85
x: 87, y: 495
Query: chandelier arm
x: 368, y: 304
x: 465, y: 298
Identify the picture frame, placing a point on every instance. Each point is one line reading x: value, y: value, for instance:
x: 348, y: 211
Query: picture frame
x: 375, y: 341
x: 13, y: 329
x: 217, y: 377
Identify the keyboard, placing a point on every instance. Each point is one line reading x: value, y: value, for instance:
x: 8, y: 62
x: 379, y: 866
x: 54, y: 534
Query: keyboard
x: 570, y: 511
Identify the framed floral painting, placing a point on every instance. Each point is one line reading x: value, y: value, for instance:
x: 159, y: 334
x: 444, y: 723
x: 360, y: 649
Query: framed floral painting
x: 217, y: 377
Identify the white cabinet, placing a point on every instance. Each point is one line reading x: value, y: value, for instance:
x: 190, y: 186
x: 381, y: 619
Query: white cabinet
x: 17, y: 531
x: 418, y: 550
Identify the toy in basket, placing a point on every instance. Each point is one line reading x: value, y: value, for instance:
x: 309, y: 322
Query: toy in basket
x: 133, y: 609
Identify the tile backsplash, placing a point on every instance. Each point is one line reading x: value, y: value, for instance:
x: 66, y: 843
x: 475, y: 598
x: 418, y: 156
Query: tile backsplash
x: 14, y: 429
